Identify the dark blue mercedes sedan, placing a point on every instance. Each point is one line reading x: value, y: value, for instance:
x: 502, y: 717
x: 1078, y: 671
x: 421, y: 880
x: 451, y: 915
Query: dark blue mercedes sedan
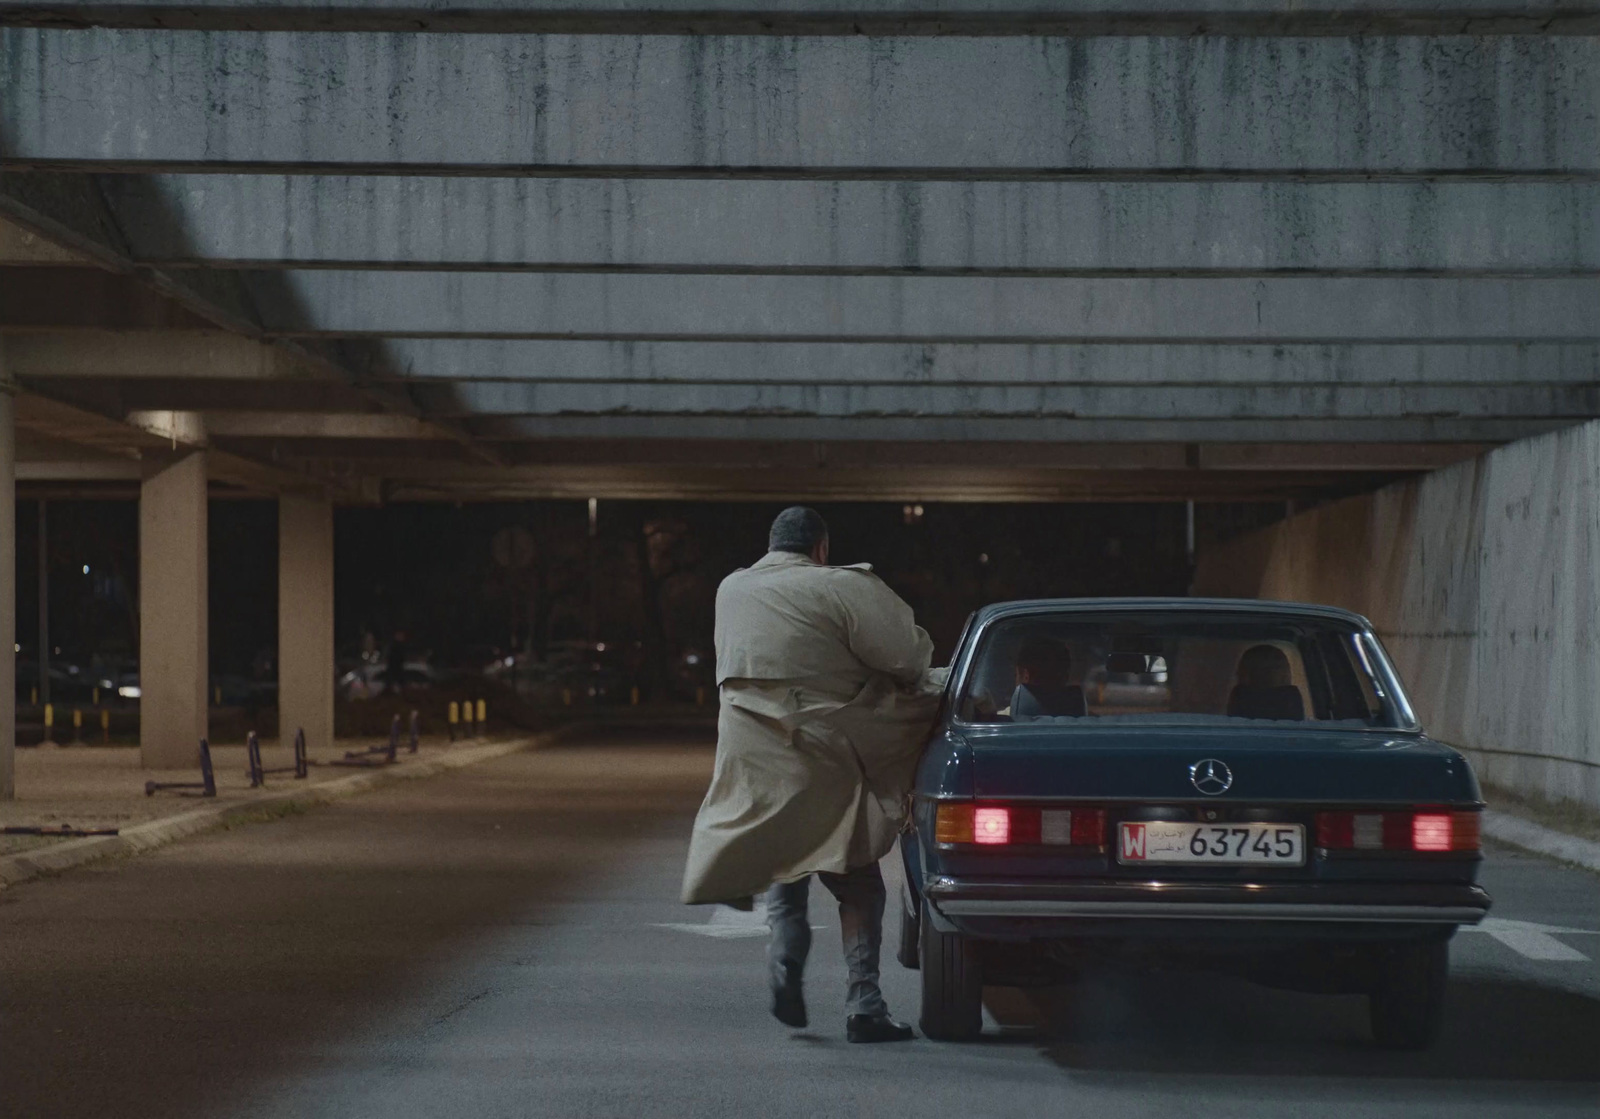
x: 1219, y: 784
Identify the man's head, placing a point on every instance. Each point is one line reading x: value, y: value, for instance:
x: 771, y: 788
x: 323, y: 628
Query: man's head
x: 1044, y: 663
x: 1265, y: 666
x: 800, y: 530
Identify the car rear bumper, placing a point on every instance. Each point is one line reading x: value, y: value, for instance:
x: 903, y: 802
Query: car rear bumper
x: 1267, y: 902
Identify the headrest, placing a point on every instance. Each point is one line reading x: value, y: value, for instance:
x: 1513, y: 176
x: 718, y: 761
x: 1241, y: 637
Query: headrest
x: 1264, y: 666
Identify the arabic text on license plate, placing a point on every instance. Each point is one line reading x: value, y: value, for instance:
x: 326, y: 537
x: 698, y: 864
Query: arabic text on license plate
x: 1168, y: 841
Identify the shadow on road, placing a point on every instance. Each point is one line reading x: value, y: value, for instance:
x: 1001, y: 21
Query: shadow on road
x: 1202, y: 1025
x: 205, y: 978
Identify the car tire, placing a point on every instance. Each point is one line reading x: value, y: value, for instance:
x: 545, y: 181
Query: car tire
x: 952, y: 984
x: 910, y: 933
x: 1406, y: 1001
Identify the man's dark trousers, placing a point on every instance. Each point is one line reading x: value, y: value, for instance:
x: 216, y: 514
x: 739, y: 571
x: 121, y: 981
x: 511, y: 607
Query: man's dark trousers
x: 860, y: 894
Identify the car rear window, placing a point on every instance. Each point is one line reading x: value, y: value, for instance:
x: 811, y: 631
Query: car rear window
x: 1180, y: 666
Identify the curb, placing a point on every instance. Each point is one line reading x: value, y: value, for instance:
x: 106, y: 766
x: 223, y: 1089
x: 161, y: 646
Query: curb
x: 160, y: 833
x: 1529, y: 836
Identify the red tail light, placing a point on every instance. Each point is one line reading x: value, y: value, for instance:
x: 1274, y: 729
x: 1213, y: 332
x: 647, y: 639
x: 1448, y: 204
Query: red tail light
x: 991, y: 825
x: 1431, y: 831
x: 1019, y: 825
x: 1428, y: 830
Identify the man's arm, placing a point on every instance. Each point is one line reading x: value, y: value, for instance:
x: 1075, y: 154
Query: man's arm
x: 881, y: 629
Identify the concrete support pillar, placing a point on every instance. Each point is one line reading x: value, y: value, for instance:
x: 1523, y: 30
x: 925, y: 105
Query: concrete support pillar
x: 174, y: 646
x: 8, y: 587
x: 305, y: 619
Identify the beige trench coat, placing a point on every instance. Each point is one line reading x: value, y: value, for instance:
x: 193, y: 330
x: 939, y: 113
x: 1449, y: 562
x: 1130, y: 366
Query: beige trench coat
x: 826, y: 703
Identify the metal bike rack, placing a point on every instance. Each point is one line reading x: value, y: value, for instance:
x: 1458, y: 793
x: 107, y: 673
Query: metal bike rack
x: 207, y: 783
x: 258, y: 773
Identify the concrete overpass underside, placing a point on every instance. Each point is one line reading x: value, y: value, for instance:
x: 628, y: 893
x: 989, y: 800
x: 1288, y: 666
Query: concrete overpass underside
x: 897, y: 249
x: 1223, y: 250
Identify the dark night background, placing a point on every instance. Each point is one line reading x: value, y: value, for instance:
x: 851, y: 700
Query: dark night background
x: 431, y: 572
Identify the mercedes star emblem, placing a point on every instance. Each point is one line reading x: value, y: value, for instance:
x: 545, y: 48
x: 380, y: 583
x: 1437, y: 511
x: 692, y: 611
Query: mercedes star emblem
x: 1211, y: 777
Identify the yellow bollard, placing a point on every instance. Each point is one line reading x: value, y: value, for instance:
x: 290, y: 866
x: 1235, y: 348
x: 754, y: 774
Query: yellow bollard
x: 453, y: 718
x: 566, y: 697
x: 105, y: 728
x: 49, y: 722
x: 483, y: 715
x: 77, y: 726
x: 633, y: 696
x: 96, y: 702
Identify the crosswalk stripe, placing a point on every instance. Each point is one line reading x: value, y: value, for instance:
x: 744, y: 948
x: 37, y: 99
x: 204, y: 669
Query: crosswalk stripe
x: 1533, y: 941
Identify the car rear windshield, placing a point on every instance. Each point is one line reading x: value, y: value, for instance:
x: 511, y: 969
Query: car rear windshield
x: 1184, y: 667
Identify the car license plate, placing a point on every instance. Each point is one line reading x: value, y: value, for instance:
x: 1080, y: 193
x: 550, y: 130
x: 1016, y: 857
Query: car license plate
x: 1169, y: 841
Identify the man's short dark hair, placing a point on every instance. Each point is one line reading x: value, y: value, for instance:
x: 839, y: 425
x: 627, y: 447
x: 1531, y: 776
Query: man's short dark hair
x: 1047, y: 659
x: 797, y: 529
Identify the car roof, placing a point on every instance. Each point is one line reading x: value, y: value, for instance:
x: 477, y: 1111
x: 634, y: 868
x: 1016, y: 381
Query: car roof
x: 1271, y: 608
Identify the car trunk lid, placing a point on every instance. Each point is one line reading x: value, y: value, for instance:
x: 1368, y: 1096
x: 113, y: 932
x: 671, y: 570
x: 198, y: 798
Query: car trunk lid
x: 1152, y: 765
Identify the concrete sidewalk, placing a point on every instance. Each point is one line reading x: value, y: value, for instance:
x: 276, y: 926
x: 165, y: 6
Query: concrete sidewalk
x: 95, y: 787
x: 1566, y: 831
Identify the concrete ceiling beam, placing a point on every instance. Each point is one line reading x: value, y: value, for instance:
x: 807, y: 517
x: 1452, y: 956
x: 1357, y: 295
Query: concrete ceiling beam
x: 1002, y: 429
x: 20, y: 246
x: 317, y: 425
x: 116, y: 396
x: 155, y: 433
x: 405, y: 459
x: 65, y: 298
x: 830, y: 484
x: 80, y: 470
x: 265, y: 220
x: 953, y: 308
x: 46, y: 458
x: 175, y: 354
x: 838, y: 17
x: 844, y: 401
x: 429, y: 360
x: 1034, y: 456
x: 823, y: 107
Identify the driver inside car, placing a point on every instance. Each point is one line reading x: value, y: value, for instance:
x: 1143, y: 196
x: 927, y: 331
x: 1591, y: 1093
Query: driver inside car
x: 1044, y: 681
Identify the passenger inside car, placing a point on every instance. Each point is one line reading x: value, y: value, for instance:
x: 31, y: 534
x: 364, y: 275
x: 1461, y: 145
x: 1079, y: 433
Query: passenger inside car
x: 1044, y: 673
x: 1265, y: 686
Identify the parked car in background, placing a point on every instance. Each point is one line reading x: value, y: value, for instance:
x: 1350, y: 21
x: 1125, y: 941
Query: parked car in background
x: 1271, y: 807
x: 366, y: 680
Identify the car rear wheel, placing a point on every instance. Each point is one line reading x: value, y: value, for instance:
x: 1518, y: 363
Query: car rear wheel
x: 952, y: 984
x: 1407, y: 997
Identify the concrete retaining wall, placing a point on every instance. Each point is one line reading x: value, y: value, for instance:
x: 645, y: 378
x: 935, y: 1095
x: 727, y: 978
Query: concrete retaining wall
x: 1481, y: 579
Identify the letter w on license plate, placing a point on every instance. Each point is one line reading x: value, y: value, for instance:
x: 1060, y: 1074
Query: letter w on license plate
x: 1168, y: 841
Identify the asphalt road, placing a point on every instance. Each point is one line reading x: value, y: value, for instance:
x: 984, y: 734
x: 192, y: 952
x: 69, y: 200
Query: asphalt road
x: 505, y: 941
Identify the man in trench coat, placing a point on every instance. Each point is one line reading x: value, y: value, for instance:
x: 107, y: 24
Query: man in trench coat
x: 826, y: 703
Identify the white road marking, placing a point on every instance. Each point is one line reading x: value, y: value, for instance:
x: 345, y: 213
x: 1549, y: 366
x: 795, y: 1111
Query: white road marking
x: 1536, y: 942
x: 729, y: 924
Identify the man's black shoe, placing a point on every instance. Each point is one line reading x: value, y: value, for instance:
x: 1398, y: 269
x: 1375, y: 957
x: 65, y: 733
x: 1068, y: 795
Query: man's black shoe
x: 789, y: 1006
x: 876, y: 1027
